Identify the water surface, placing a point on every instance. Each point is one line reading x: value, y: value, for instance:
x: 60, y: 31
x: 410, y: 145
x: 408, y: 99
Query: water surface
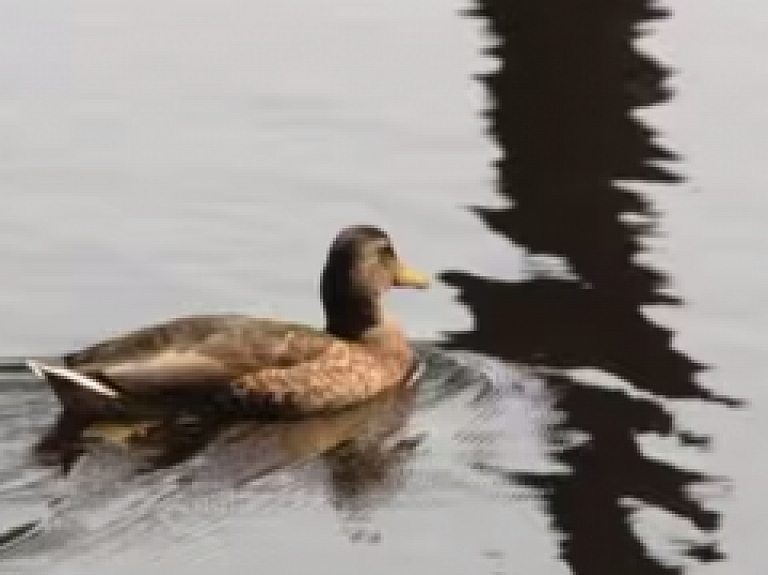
x: 198, y: 157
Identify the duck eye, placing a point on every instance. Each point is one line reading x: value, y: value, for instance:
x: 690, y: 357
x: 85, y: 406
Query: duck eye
x: 385, y: 252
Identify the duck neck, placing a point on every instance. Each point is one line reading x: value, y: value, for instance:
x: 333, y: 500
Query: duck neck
x: 360, y: 317
x: 352, y: 316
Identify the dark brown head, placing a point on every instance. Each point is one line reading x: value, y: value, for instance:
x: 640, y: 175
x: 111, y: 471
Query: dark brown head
x: 361, y: 266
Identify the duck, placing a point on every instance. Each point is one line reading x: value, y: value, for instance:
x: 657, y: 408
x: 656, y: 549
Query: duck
x: 261, y: 366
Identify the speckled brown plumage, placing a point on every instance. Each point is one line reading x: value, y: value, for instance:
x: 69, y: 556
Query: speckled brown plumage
x: 262, y: 365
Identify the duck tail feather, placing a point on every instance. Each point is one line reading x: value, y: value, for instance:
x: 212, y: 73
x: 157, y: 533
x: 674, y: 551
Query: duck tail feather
x: 59, y: 374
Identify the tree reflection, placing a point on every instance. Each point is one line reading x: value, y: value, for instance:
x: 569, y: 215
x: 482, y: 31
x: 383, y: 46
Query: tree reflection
x: 563, y: 98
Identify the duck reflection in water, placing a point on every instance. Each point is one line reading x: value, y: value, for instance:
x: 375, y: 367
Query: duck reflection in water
x: 363, y: 449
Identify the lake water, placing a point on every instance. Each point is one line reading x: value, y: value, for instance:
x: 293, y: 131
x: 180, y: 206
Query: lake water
x: 593, y: 342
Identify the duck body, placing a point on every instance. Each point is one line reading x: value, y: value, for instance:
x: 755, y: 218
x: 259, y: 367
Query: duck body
x: 232, y: 363
x: 254, y: 365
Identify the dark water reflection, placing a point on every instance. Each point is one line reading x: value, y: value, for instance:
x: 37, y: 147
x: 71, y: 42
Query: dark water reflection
x: 562, y: 112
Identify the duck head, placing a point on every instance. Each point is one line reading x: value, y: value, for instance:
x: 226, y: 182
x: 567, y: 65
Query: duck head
x: 362, y: 265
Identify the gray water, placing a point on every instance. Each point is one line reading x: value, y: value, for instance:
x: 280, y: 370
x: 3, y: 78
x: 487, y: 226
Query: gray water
x: 160, y: 159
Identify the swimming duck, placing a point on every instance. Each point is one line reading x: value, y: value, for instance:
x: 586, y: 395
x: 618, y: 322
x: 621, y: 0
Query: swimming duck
x: 257, y: 365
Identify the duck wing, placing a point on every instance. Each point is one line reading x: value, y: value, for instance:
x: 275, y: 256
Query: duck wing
x: 189, y: 333
x: 196, y: 357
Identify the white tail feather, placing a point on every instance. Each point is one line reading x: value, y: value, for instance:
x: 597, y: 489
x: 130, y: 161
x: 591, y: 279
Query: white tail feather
x: 35, y: 368
x: 42, y: 370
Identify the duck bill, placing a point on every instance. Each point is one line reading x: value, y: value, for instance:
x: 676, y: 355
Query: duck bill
x: 409, y: 277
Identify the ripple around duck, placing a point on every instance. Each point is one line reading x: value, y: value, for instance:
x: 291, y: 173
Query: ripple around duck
x: 420, y: 450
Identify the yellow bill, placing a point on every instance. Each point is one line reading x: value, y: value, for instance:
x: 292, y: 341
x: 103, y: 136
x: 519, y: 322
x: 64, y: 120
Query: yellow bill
x: 409, y: 277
